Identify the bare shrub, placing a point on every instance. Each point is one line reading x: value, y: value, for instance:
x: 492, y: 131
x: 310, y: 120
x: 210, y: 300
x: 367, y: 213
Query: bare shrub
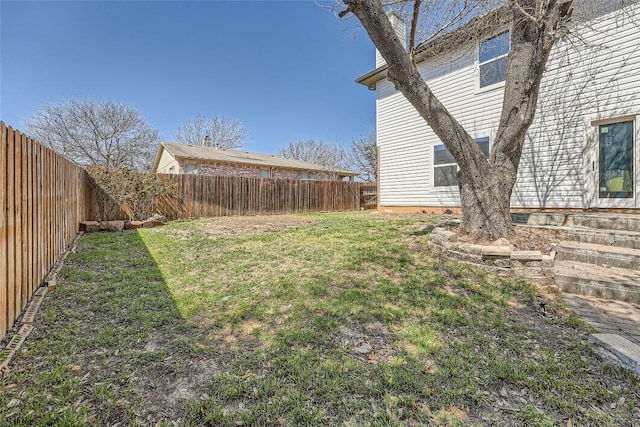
x: 133, y: 192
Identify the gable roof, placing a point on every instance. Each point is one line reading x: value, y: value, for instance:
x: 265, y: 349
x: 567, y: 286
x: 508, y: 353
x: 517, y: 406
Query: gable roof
x: 212, y: 154
x: 478, y: 26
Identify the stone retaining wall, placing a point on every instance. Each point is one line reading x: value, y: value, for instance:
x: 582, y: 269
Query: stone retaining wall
x: 523, y: 263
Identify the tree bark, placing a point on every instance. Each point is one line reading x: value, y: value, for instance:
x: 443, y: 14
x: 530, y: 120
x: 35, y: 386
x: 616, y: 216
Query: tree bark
x: 486, y: 202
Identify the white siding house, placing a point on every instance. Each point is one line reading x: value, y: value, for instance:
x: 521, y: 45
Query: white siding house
x: 582, y: 149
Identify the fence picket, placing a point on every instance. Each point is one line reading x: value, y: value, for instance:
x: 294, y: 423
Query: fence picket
x: 201, y: 196
x: 4, y: 238
x: 43, y: 197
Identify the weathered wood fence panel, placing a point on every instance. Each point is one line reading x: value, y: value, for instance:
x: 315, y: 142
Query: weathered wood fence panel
x: 211, y: 196
x: 369, y: 195
x: 43, y: 197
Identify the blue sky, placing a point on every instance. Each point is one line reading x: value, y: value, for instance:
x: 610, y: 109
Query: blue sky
x: 285, y: 68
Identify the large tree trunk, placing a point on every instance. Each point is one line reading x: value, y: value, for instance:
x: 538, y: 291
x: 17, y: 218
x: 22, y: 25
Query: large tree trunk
x: 485, y: 185
x: 486, y: 203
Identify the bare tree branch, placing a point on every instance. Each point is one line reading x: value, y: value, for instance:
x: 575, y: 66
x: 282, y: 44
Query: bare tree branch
x: 94, y: 132
x: 363, y: 156
x: 524, y: 13
x: 223, y: 132
x: 330, y: 156
x: 412, y: 32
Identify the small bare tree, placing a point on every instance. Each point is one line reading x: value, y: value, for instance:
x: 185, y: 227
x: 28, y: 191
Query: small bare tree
x: 330, y: 156
x: 222, y: 132
x: 363, y: 156
x: 94, y: 132
x: 485, y: 185
x: 134, y: 192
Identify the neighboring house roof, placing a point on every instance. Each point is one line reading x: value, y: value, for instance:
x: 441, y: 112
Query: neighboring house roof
x: 479, y: 26
x: 212, y: 154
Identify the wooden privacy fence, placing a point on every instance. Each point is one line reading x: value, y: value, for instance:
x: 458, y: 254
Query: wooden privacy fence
x: 210, y: 196
x: 43, y: 196
x: 369, y: 195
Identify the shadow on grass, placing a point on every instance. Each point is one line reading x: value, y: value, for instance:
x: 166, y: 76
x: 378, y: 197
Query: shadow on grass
x: 109, y: 346
x: 342, y: 322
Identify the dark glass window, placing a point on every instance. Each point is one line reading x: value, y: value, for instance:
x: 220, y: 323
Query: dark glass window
x: 445, y: 169
x: 441, y: 155
x: 484, y: 145
x: 494, y: 47
x: 493, y: 59
x: 615, y: 164
x: 445, y: 176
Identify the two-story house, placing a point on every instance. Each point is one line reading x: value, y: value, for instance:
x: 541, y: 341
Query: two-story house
x: 582, y: 149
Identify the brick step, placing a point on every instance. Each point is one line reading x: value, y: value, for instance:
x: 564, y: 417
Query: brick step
x: 625, y: 239
x: 600, y: 255
x: 598, y: 281
x: 623, y: 222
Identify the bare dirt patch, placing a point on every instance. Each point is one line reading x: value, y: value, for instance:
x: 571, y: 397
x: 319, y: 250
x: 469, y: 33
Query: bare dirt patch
x: 523, y: 239
x: 371, y: 343
x: 237, y: 226
x: 168, y: 386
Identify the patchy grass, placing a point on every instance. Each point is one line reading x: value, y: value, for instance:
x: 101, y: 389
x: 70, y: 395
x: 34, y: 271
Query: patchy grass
x: 328, y: 319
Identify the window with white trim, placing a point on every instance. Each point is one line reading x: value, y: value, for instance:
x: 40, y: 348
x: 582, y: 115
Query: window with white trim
x: 191, y: 168
x: 445, y: 168
x: 492, y: 59
x: 265, y: 173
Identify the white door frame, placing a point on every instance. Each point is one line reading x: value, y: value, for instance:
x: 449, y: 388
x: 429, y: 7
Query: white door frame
x: 592, y: 162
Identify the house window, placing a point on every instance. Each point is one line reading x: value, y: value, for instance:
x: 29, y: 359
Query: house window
x: 191, y: 168
x: 303, y: 175
x: 445, y: 168
x: 492, y: 59
x: 265, y: 173
x: 615, y: 160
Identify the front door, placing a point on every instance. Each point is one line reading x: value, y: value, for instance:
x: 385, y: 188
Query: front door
x: 616, y: 165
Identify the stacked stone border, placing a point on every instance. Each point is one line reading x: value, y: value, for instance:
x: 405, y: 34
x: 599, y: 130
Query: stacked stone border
x: 119, y: 225
x: 530, y: 264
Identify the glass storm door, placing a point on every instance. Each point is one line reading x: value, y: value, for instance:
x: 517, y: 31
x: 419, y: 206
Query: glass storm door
x: 616, y: 172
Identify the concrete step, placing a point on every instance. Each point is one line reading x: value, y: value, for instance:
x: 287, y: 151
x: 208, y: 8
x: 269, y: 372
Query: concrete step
x: 600, y: 255
x: 605, y: 221
x: 598, y: 281
x: 623, y: 222
x: 556, y: 219
x: 625, y: 239
x: 624, y: 351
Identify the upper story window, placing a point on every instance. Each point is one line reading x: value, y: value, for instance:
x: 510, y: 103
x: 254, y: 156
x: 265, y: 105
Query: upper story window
x: 445, y: 168
x: 492, y: 59
x: 191, y: 168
